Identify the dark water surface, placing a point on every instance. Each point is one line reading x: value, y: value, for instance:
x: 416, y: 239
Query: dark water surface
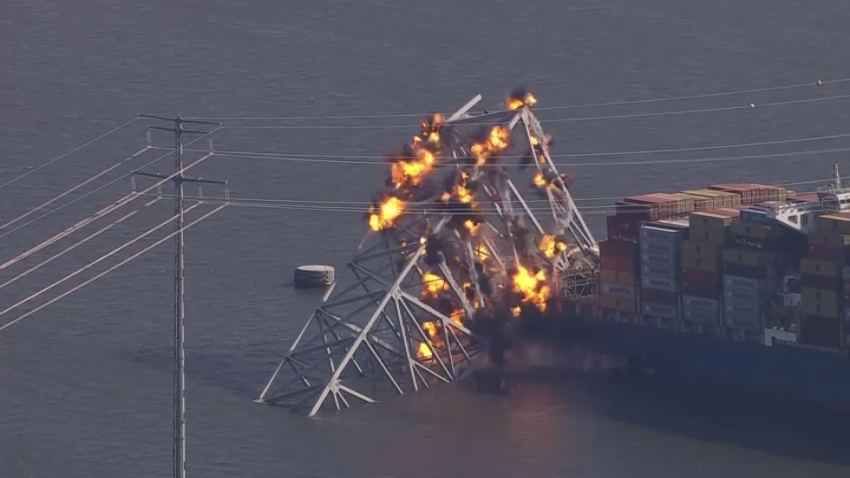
x: 85, y: 383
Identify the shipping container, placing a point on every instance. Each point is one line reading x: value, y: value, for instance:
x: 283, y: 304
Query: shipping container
x: 748, y: 257
x: 636, y: 212
x: 618, y: 256
x: 756, y: 231
x: 663, y: 311
x: 704, y: 317
x: 743, y: 284
x: 700, y: 278
x: 683, y: 203
x: 711, y: 226
x: 618, y: 303
x: 755, y: 216
x: 701, y: 255
x: 740, y: 296
x: 667, y: 272
x: 753, y: 193
x: 659, y: 296
x: 820, y: 267
x: 822, y: 302
x: 803, y: 198
x: 820, y: 331
x: 619, y: 290
x: 661, y: 260
x: 820, y: 282
x: 722, y: 198
x: 623, y: 228
x: 649, y: 204
x: 750, y: 272
x: 671, y: 250
x: 839, y: 222
x: 756, y: 244
x: 660, y: 283
x: 661, y: 235
x: 616, y: 277
x: 828, y: 238
x: 741, y: 317
x: 700, y: 303
x: 838, y: 255
x: 701, y: 310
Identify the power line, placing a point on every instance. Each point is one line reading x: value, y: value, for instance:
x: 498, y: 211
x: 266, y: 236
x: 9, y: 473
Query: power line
x: 111, y: 269
x: 62, y: 156
x: 125, y: 176
x: 344, y: 203
x: 555, y: 120
x: 545, y: 108
x: 559, y: 163
x: 561, y: 155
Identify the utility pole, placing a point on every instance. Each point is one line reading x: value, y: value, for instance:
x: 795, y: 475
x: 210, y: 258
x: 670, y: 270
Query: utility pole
x: 179, y: 279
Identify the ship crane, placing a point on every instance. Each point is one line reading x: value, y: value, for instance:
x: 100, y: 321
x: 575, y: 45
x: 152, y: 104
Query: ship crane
x: 454, y: 243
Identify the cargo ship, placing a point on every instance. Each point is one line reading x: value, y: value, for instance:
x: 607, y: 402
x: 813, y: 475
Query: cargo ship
x: 743, y: 285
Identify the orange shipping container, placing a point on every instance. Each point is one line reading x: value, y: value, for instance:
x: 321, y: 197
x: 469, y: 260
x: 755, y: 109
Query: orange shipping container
x: 618, y: 303
x: 722, y: 198
x: 834, y: 223
x: 821, y: 302
x: 820, y: 268
x: 710, y: 227
x: 616, y: 277
x: 703, y: 256
x: 828, y: 238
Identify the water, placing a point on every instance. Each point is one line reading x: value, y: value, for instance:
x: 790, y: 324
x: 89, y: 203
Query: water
x: 85, y: 383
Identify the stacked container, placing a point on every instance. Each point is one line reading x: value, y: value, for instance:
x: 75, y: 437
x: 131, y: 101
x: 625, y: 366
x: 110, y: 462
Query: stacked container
x: 753, y: 193
x: 823, y: 302
x: 715, y: 199
x: 619, y: 264
x: 702, y: 266
x: 660, y: 250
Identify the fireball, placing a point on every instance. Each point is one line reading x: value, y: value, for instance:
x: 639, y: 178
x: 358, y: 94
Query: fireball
x: 384, y: 216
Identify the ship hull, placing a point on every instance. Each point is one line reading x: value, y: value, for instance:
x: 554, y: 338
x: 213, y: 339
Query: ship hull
x: 787, y: 372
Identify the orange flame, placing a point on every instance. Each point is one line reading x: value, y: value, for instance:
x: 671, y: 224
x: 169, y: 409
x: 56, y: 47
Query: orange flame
x: 517, y: 103
x: 498, y: 140
x: 432, y: 284
x: 471, y: 226
x: 412, y: 172
x: 551, y: 246
x: 384, y: 216
x: 534, y: 287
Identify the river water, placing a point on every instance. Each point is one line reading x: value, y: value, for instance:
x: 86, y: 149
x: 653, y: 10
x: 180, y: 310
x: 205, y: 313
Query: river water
x: 85, y: 383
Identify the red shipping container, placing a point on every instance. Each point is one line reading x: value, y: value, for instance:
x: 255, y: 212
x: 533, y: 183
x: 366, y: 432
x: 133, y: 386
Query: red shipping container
x: 639, y: 212
x: 746, y: 191
x: 820, y: 282
x: 619, y: 255
x: 820, y: 331
x: 657, y: 296
x: 804, y: 198
x: 623, y: 228
x: 664, y: 206
x: 701, y: 283
x: 826, y: 253
x: 741, y: 270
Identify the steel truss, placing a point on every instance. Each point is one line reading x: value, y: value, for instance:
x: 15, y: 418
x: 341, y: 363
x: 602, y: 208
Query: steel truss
x: 402, y: 313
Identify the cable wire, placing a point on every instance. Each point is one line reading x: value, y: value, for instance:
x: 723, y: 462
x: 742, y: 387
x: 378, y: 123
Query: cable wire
x: 60, y: 157
x: 98, y: 276
x: 559, y: 120
x: 562, y: 164
x: 560, y: 155
x: 97, y: 261
x: 544, y: 108
x: 76, y: 245
x: 105, y: 186
x: 78, y: 186
x: 103, y: 212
